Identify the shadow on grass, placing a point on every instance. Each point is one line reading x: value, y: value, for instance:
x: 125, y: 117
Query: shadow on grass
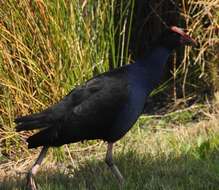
x: 140, y: 172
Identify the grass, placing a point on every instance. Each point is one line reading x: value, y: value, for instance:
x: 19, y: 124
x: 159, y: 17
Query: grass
x: 141, y: 172
x: 154, y: 157
x: 49, y: 47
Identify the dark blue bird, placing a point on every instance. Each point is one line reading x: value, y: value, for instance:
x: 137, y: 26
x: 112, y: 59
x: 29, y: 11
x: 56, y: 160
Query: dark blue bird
x: 105, y: 107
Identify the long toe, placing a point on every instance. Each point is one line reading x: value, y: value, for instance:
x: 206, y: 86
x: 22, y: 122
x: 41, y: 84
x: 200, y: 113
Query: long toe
x: 30, y: 182
x: 121, y: 183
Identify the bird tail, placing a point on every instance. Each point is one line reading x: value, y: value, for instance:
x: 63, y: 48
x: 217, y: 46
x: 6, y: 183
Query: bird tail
x: 37, y: 121
x: 30, y: 122
x: 44, y: 137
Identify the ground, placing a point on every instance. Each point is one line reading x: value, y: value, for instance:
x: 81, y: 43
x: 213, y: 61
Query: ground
x: 177, y: 151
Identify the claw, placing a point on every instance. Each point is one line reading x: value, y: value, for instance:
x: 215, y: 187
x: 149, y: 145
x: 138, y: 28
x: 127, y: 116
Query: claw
x: 30, y: 182
x: 113, y: 167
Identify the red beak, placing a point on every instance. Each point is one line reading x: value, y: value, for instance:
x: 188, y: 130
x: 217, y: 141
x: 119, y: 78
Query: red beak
x: 185, y: 38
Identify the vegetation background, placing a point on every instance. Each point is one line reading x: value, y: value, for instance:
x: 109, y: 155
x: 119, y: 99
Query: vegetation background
x: 49, y: 47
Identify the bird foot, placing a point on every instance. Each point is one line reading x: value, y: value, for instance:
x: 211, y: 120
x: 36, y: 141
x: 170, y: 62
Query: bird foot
x: 121, y: 183
x: 30, y: 182
x: 118, y: 175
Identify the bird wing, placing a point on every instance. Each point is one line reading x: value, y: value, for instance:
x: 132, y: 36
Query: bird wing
x: 97, y: 100
x: 101, y: 98
x: 87, y: 112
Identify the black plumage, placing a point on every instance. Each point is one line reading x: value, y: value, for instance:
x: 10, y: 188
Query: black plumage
x: 88, y: 112
x: 106, y: 106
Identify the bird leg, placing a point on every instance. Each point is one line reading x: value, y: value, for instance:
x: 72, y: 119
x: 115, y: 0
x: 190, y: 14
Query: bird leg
x: 112, y: 166
x: 30, y: 180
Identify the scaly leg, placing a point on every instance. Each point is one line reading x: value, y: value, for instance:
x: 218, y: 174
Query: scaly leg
x: 30, y: 181
x: 112, y: 166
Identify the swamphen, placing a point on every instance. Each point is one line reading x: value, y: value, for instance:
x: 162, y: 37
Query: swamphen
x: 105, y: 107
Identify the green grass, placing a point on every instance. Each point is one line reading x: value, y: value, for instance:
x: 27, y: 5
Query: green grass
x: 49, y: 47
x: 153, y: 158
x: 141, y: 173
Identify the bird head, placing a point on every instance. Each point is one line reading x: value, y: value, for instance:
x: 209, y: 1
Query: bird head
x: 174, y: 37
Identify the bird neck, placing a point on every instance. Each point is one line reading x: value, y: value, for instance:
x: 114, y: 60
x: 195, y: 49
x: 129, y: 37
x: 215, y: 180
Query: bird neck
x: 151, y: 68
x: 157, y: 57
